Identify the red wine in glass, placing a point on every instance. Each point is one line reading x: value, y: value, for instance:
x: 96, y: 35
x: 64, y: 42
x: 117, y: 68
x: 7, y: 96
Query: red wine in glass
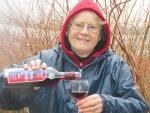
x: 79, y: 95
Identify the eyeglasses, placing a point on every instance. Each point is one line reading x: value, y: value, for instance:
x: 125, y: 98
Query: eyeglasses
x: 90, y: 28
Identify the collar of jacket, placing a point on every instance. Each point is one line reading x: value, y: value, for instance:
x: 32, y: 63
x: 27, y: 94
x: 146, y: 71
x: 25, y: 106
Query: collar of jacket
x: 90, y: 60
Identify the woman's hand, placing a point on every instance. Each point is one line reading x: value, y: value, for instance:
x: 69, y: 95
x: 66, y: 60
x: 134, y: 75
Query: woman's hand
x: 90, y: 104
x: 35, y: 65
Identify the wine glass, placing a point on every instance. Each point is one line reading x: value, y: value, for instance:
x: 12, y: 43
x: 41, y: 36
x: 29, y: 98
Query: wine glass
x: 79, y: 89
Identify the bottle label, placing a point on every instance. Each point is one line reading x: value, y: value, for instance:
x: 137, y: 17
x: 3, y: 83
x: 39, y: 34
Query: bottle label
x: 26, y: 76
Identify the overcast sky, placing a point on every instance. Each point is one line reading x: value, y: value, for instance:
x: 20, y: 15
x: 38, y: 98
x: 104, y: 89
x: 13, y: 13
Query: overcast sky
x: 23, y: 5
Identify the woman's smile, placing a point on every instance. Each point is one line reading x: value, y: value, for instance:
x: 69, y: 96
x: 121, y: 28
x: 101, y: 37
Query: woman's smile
x: 83, y: 40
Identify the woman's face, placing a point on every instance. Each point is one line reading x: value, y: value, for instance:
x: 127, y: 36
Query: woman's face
x: 83, y: 33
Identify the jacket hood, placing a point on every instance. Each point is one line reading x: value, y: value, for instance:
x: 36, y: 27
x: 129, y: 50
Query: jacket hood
x: 102, y: 46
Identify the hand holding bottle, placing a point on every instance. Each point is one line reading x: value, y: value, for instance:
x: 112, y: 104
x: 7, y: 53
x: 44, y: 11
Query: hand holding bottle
x: 35, y: 65
x: 35, y: 75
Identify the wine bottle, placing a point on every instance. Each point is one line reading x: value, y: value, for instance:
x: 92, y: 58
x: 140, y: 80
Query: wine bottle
x: 18, y: 77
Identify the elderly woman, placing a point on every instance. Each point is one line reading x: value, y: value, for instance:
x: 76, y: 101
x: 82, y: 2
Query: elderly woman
x: 84, y: 47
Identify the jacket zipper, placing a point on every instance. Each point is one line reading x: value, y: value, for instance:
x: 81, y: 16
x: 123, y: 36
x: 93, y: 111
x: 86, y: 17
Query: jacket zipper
x: 80, y: 69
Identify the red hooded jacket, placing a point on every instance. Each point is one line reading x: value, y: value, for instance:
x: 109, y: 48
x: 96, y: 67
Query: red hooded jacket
x: 91, y: 6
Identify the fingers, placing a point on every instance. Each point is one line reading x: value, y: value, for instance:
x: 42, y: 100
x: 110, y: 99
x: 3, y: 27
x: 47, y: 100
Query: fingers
x: 90, y: 104
x: 35, y: 65
x: 87, y: 99
x: 26, y: 66
x: 38, y: 64
x: 91, y: 109
x: 44, y: 66
x: 36, y: 88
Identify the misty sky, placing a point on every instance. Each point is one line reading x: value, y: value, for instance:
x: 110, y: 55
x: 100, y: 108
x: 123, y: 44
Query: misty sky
x: 23, y: 5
